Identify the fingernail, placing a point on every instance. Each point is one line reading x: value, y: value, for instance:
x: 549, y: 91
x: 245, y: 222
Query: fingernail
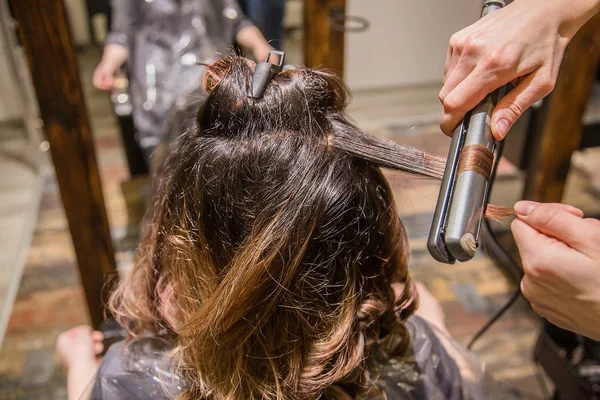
x: 502, y: 126
x: 525, y: 208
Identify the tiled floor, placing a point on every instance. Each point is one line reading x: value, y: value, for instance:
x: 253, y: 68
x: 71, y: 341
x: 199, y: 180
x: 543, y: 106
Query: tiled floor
x: 50, y: 300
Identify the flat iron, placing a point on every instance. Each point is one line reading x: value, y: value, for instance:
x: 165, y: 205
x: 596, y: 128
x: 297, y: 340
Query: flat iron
x: 456, y: 227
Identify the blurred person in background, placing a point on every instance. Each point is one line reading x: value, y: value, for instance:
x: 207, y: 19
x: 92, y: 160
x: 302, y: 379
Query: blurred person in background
x: 162, y: 42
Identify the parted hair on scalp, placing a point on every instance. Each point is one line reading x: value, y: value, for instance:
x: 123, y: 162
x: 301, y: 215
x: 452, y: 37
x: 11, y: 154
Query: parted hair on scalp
x: 275, y: 259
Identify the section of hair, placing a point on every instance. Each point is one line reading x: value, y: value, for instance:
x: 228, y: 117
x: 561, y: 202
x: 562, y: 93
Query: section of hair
x: 389, y: 154
x: 499, y: 213
x: 477, y: 158
x: 384, y: 152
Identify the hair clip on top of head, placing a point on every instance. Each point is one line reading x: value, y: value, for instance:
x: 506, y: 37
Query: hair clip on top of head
x: 264, y: 72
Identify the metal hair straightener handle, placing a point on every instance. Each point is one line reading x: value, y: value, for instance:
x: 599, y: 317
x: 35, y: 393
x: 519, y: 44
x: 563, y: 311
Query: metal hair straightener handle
x: 456, y: 227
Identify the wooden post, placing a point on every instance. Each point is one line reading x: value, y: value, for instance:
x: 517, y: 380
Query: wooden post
x: 44, y: 31
x: 324, y: 46
x: 561, y: 129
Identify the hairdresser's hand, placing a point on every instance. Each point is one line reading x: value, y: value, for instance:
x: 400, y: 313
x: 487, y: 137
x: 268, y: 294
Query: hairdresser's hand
x: 523, y: 43
x: 106, y: 71
x: 560, y: 251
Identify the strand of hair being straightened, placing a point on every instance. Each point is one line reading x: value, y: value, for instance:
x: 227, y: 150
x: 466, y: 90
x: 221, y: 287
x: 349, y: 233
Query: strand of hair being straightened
x: 385, y: 152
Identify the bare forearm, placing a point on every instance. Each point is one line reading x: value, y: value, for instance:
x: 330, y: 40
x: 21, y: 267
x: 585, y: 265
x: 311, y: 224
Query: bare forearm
x: 251, y: 38
x: 79, y: 379
x: 115, y: 54
x: 573, y: 13
x: 579, y: 12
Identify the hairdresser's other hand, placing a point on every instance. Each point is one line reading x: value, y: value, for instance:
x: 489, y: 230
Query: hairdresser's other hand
x: 560, y: 251
x: 522, y: 43
x: 113, y: 58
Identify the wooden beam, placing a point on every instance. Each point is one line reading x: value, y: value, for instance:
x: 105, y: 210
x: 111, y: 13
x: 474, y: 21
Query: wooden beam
x: 561, y: 129
x: 323, y: 45
x: 44, y: 32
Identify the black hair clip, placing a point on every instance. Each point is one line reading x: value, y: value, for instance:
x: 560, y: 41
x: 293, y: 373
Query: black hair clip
x: 264, y: 72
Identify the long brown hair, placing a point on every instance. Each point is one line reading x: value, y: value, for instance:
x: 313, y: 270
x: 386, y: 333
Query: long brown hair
x: 275, y: 246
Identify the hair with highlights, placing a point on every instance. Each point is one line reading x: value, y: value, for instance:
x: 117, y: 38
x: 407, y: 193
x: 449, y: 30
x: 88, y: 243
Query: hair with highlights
x: 276, y: 258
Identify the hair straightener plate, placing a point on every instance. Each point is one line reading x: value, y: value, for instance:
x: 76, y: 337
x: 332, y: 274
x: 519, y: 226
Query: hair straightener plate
x: 456, y: 227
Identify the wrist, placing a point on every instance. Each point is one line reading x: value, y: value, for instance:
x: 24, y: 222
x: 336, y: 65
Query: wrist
x: 82, y: 362
x: 115, y: 55
x: 573, y: 14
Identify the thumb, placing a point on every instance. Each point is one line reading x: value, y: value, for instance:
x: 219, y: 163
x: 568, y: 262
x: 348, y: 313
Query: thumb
x: 555, y: 220
x: 526, y: 206
x: 530, y: 90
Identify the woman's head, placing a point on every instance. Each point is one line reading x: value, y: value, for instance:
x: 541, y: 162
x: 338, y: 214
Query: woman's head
x: 276, y: 256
